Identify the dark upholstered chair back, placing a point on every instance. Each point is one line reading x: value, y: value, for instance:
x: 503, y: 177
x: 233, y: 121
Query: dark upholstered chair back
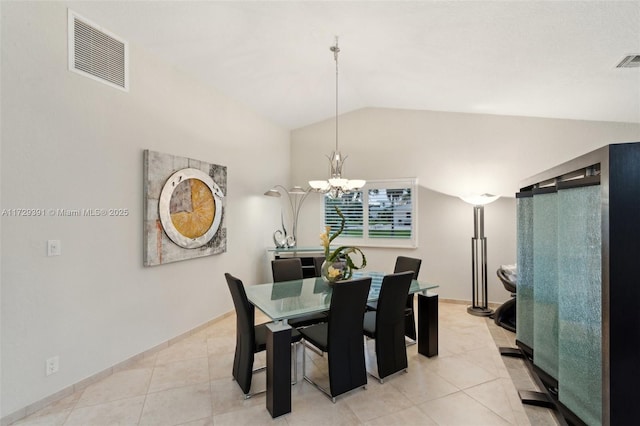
x: 317, y: 265
x: 391, y: 350
x: 286, y: 269
x: 245, y: 334
x: 393, y: 295
x: 404, y: 264
x: 345, y: 343
x: 291, y: 270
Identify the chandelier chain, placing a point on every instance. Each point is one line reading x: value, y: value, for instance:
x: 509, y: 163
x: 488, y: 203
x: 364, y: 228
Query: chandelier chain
x: 336, y: 185
x: 335, y: 49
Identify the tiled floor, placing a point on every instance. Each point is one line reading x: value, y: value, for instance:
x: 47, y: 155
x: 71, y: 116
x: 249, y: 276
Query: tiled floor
x: 189, y: 383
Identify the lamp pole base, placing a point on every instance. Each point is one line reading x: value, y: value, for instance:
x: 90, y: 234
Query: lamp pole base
x: 479, y: 311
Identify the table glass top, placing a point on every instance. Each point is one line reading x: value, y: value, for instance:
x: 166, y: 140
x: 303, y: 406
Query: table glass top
x: 290, y: 299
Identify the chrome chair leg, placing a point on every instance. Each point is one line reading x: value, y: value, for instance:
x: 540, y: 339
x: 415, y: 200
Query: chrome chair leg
x: 304, y: 360
x: 294, y: 352
x: 381, y: 381
x: 249, y: 395
x: 294, y: 360
x: 307, y: 379
x: 252, y: 394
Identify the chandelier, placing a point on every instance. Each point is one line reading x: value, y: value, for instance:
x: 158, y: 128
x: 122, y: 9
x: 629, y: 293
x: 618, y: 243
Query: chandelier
x: 336, y: 185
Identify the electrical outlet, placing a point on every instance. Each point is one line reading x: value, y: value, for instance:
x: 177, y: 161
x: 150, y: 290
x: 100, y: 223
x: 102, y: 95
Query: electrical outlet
x: 54, y: 248
x: 52, y: 365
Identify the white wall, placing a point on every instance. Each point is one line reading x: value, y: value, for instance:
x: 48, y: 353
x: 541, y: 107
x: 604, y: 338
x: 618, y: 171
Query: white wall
x: 451, y: 154
x: 70, y: 142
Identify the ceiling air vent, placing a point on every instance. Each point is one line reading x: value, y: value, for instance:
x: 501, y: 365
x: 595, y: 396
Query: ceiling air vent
x: 97, y: 54
x: 631, y: 61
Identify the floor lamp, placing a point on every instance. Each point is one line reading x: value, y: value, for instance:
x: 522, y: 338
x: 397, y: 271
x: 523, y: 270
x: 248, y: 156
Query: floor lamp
x: 479, y: 301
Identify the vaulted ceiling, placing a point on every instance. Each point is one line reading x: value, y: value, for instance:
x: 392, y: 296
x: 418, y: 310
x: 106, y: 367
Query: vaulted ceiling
x: 527, y: 58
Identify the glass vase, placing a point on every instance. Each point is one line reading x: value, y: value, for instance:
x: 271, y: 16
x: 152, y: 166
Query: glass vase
x: 332, y: 271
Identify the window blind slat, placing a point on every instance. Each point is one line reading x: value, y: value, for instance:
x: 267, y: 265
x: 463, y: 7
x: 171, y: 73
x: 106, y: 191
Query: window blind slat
x: 351, y: 207
x: 380, y: 212
x: 390, y: 213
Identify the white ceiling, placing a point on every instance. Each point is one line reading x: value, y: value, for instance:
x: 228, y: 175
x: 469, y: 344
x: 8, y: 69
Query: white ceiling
x: 541, y: 59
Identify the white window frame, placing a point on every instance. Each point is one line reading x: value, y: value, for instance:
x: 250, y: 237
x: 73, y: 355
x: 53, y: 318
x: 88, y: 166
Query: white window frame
x: 365, y: 240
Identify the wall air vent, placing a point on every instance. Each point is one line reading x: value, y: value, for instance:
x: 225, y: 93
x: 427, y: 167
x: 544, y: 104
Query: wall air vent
x: 631, y: 61
x: 97, y: 54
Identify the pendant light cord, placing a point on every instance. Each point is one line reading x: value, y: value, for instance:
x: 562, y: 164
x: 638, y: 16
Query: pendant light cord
x: 336, y: 185
x: 335, y: 49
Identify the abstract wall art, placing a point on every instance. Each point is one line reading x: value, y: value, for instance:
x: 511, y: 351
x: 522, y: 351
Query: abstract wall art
x: 184, y: 208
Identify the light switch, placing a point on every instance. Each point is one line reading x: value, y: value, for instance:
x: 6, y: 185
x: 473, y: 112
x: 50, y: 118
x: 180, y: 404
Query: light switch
x: 54, y: 248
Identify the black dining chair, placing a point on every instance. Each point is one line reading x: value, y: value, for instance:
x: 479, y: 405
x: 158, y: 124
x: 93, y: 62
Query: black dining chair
x: 341, y: 338
x: 250, y: 338
x: 289, y: 270
x: 317, y: 265
x: 386, y: 325
x: 404, y: 264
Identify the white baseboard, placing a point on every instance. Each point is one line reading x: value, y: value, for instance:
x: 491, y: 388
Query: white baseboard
x: 71, y: 389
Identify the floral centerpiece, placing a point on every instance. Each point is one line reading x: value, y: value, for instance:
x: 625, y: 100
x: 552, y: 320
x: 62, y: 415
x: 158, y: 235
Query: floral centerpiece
x: 338, y: 264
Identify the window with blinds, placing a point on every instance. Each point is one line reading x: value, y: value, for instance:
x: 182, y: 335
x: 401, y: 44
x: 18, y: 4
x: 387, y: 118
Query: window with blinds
x: 383, y: 213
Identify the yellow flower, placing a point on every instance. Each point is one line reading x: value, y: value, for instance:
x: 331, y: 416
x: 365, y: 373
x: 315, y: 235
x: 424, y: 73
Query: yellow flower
x: 324, y: 238
x: 345, y: 251
x: 333, y: 272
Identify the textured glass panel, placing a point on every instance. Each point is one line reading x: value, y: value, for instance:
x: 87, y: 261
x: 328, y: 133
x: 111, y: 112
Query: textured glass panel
x: 524, y: 293
x: 580, y: 293
x: 545, y: 283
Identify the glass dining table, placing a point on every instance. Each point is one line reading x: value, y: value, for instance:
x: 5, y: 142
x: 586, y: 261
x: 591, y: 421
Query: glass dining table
x: 284, y: 300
